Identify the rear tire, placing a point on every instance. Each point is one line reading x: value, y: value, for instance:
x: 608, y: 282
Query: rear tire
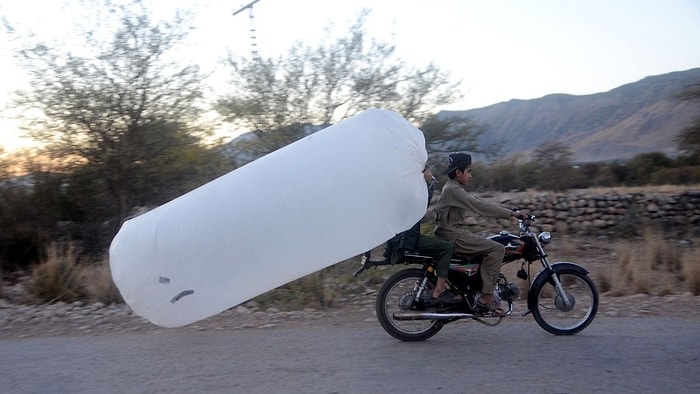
x: 399, y: 286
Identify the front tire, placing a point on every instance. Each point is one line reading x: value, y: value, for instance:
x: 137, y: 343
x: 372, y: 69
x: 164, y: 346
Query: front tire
x: 392, y: 298
x: 550, y: 311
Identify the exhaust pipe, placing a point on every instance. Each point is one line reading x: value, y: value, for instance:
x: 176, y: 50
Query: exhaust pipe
x: 445, y: 315
x: 431, y: 316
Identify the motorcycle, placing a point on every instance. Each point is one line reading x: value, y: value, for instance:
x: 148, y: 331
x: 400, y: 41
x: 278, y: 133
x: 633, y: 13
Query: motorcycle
x: 562, y: 298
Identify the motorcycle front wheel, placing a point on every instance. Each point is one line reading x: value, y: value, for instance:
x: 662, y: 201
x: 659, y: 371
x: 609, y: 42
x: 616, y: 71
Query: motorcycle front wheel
x: 554, y: 315
x: 395, y: 296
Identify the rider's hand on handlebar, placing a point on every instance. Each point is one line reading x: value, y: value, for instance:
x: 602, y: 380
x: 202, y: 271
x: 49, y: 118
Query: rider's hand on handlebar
x: 522, y: 215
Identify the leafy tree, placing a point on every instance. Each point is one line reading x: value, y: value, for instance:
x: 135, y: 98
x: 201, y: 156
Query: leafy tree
x: 259, y: 143
x: 506, y: 174
x: 19, y: 241
x: 118, y: 104
x: 600, y: 174
x: 4, y: 165
x: 323, y: 85
x: 554, y: 164
x: 643, y: 165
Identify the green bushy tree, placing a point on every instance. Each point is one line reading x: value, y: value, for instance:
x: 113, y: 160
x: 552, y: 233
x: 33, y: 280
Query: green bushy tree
x: 118, y: 103
x: 279, y: 98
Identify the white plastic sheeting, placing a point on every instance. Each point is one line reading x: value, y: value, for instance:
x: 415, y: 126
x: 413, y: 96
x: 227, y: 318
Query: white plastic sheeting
x: 325, y: 198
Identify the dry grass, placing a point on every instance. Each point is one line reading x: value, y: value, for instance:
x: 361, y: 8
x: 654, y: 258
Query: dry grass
x: 61, y: 276
x: 654, y: 266
x: 308, y: 291
x: 690, y: 264
x: 99, y: 284
x: 328, y: 287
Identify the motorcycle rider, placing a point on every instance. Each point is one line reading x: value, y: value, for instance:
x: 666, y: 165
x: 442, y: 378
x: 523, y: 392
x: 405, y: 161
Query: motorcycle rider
x: 440, y: 249
x: 452, y: 207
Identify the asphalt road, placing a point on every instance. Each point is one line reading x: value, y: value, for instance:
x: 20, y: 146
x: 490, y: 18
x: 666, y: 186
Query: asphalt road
x: 613, y: 355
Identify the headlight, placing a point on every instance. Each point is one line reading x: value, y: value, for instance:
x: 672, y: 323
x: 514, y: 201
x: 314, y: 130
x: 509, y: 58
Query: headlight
x: 545, y: 237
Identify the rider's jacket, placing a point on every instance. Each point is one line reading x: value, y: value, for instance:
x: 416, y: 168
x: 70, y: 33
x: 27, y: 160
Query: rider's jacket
x: 454, y: 205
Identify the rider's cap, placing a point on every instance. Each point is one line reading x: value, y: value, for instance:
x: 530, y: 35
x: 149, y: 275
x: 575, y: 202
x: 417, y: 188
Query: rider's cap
x: 458, y: 161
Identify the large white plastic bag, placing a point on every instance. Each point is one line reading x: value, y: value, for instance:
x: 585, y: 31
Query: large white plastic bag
x: 323, y: 199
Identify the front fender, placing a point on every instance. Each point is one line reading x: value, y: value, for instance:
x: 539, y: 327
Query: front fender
x: 544, y: 276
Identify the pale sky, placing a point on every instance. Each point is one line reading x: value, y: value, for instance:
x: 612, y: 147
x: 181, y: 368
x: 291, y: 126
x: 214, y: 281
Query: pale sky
x: 500, y: 50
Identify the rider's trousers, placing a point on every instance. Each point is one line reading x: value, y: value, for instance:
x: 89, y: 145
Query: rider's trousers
x: 440, y: 249
x: 469, y: 244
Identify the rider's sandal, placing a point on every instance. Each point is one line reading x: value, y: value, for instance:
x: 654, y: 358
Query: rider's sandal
x: 446, y: 297
x: 492, y: 306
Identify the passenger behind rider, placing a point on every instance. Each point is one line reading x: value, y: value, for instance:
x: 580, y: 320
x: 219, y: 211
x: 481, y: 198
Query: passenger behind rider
x: 413, y: 241
x: 452, y: 209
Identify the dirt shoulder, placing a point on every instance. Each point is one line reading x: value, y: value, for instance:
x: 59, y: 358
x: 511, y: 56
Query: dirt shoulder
x: 21, y: 321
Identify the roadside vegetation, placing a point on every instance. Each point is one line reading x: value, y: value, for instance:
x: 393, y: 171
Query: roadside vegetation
x: 653, y: 265
x: 134, y: 138
x: 62, y: 275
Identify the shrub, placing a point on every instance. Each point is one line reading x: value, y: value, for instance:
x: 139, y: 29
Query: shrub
x: 58, y: 277
x: 687, y: 175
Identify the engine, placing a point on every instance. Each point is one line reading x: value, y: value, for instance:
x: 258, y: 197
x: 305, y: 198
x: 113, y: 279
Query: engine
x: 508, y: 291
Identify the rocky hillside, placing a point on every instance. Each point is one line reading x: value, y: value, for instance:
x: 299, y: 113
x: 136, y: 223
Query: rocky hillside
x: 638, y: 117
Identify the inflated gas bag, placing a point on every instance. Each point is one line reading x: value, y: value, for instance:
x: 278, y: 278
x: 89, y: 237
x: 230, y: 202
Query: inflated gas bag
x: 316, y: 202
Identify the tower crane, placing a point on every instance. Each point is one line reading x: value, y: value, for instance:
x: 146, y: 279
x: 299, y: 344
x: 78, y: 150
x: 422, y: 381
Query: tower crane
x: 253, y: 44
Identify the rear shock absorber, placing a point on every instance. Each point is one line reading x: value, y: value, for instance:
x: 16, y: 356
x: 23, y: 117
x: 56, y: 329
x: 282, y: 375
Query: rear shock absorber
x: 423, y: 284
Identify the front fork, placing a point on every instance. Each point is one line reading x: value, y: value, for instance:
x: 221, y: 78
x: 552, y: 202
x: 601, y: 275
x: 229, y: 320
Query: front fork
x: 560, y: 289
x: 553, y: 275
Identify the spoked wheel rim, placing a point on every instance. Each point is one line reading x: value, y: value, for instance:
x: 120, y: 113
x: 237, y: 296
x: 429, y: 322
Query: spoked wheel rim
x: 398, y: 300
x: 563, y: 318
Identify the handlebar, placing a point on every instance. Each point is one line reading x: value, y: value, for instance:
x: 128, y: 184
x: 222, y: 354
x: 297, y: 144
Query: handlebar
x: 528, y: 217
x: 524, y: 224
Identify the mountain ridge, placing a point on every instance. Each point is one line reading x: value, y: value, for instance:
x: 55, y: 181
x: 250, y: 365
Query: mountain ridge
x: 634, y: 118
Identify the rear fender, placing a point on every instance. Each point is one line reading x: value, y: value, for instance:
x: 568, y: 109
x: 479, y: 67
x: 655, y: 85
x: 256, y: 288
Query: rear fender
x: 544, y: 276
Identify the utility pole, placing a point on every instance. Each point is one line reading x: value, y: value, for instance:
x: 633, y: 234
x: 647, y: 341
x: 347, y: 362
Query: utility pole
x: 253, y: 44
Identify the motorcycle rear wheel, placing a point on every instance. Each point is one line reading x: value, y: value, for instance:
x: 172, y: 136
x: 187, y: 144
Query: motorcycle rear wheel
x: 554, y: 316
x: 393, y: 296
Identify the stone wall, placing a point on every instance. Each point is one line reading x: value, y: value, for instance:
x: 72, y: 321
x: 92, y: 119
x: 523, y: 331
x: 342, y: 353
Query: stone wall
x: 583, y: 211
